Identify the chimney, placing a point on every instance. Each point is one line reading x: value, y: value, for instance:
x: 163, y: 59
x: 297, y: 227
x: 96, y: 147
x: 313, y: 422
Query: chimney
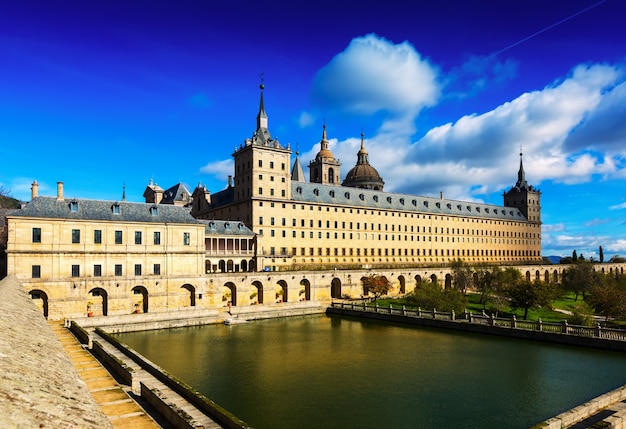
x: 59, y: 191
x: 441, y: 195
x: 230, y: 181
x: 34, y: 190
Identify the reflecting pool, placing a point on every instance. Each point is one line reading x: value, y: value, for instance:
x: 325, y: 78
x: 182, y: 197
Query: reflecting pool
x: 336, y: 372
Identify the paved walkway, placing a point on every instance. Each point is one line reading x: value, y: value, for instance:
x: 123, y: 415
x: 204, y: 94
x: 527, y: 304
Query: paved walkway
x: 113, y: 398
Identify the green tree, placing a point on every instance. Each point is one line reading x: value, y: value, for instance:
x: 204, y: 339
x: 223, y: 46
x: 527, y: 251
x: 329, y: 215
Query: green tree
x: 608, y: 296
x: 462, y: 276
x: 601, y: 254
x: 574, y: 256
x: 526, y: 295
x: 431, y: 295
x: 578, y: 278
x: 377, y: 285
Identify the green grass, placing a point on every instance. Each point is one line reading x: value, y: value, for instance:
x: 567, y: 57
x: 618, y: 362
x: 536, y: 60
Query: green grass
x: 565, y: 302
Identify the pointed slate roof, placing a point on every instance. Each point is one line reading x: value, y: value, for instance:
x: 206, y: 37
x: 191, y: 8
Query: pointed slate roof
x: 297, y: 173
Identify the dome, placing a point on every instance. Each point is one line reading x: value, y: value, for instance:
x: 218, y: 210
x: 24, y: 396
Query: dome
x: 363, y: 175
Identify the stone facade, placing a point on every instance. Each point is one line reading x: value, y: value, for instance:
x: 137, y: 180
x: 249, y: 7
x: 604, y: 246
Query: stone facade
x: 77, y: 257
x: 304, y: 225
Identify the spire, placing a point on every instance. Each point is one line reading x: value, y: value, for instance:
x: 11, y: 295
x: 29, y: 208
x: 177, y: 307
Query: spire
x: 362, y: 154
x: 521, y: 176
x: 261, y: 119
x: 324, y: 139
x: 297, y: 173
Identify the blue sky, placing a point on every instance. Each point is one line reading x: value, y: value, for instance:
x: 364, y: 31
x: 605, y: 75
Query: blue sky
x: 99, y: 94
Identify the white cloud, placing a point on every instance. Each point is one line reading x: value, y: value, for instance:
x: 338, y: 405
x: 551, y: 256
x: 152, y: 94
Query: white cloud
x: 219, y: 169
x: 305, y: 119
x: 618, y: 206
x: 373, y: 74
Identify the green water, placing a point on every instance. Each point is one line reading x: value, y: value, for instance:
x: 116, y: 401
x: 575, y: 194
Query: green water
x: 333, y: 372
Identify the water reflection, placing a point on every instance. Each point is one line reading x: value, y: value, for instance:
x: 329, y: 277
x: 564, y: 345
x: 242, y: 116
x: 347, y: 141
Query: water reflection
x: 325, y: 372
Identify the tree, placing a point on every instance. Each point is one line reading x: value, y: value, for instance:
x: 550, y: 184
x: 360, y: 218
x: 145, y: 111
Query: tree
x: 601, y: 254
x: 526, y: 295
x: 431, y: 295
x: 574, y: 256
x: 377, y: 285
x: 578, y: 278
x: 608, y: 296
x: 462, y: 276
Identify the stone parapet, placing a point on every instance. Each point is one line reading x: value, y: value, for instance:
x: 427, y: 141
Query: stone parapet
x: 39, y: 386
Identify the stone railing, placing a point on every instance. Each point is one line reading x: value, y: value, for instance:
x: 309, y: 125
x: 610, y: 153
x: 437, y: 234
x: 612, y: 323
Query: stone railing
x: 597, y: 331
x: 39, y: 387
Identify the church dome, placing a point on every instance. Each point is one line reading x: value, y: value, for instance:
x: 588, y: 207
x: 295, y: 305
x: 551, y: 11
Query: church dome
x: 363, y: 175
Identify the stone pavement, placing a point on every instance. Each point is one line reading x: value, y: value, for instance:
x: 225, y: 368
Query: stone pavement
x: 113, y: 398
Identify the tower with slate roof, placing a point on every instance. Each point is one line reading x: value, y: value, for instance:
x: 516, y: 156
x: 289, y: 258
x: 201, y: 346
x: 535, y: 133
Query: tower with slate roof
x: 524, y: 197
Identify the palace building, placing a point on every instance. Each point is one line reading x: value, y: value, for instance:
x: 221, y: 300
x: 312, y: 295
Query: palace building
x: 324, y: 222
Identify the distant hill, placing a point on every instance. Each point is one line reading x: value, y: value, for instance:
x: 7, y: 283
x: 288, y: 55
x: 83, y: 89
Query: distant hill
x: 9, y: 203
x: 553, y: 259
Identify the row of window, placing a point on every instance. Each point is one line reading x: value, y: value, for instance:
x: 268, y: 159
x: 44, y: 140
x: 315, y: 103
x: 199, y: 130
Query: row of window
x: 402, y: 252
x: 97, y: 237
x: 116, y: 209
x: 406, y: 214
x: 413, y: 228
x: 97, y: 270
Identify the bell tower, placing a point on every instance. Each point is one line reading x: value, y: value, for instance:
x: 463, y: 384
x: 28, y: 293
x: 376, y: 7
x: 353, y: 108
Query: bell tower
x: 525, y: 197
x: 325, y: 169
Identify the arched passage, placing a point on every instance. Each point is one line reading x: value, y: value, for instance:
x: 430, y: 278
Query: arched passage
x: 259, y: 292
x: 555, y: 276
x: 222, y: 266
x: 244, y: 265
x: 433, y: 278
x: 100, y: 301
x: 335, y: 288
x: 192, y: 294
x: 41, y: 300
x: 418, y: 281
x: 528, y: 276
x: 141, y: 304
x: 305, y: 290
x: 448, y: 281
x: 229, y: 293
x: 282, y: 291
x: 402, y: 282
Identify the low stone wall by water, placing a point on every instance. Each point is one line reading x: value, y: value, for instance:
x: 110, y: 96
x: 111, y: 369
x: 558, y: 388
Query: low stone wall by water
x: 39, y: 387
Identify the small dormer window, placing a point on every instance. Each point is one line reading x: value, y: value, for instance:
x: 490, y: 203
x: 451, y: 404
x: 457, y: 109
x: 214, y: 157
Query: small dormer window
x: 402, y: 201
x: 495, y: 211
x: 316, y: 191
x: 74, y: 206
x: 240, y: 226
x: 299, y: 189
x: 212, y: 226
x: 469, y: 209
x: 425, y: 203
x: 154, y: 210
x: 361, y: 197
x: 438, y: 205
x: 459, y: 206
x: 375, y: 198
x: 487, y: 210
x: 478, y: 209
x: 347, y: 195
x: 449, y: 206
x: 332, y: 194
x: 115, y: 208
x: 389, y: 200
x: 414, y: 202
x: 227, y: 226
